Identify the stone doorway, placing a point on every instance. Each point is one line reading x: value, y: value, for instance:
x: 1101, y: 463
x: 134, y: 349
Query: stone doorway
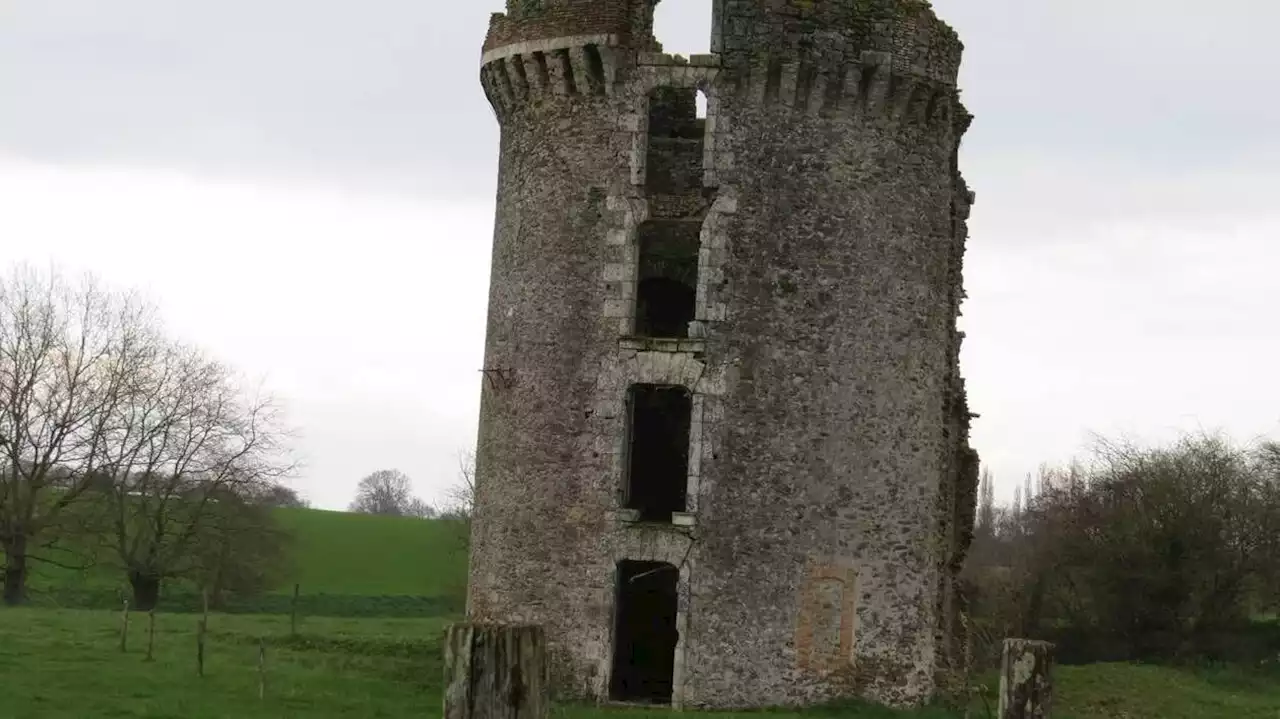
x: 645, y: 635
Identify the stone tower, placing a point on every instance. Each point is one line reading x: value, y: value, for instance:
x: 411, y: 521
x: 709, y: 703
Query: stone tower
x: 723, y: 455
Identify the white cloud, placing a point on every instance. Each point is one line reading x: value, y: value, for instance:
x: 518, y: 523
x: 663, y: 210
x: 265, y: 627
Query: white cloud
x: 365, y: 313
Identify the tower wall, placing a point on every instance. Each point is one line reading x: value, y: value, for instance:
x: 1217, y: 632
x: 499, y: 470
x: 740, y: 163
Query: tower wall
x: 546, y: 448
x: 829, y: 492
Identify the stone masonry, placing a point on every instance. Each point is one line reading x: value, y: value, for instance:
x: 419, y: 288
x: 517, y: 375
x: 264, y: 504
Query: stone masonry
x: 818, y: 216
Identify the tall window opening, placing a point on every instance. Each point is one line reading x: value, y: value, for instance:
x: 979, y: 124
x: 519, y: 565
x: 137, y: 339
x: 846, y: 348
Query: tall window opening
x: 676, y: 138
x: 645, y: 633
x: 667, y: 281
x: 659, y: 421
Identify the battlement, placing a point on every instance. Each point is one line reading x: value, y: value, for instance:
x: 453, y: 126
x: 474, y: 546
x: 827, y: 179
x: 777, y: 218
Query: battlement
x: 628, y: 22
x: 866, y: 87
x: 825, y: 32
x: 836, y: 31
x: 546, y: 69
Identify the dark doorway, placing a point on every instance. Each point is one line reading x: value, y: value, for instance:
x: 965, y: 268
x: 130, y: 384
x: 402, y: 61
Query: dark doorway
x: 666, y: 294
x: 644, y: 646
x: 658, y: 450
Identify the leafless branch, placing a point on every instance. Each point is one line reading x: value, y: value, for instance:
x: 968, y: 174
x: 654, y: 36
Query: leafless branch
x: 95, y: 399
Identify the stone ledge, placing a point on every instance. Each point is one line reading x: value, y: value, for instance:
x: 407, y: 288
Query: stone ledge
x: 631, y: 518
x: 663, y: 344
x: 684, y: 519
x: 547, y: 45
x: 626, y: 516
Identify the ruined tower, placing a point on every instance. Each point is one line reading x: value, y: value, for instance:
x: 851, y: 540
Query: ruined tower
x: 723, y: 454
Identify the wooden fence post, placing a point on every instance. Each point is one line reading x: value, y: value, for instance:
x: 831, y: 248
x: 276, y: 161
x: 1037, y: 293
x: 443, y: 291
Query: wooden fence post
x: 151, y: 635
x: 124, y: 628
x: 201, y: 624
x: 262, y: 668
x: 1026, y: 681
x: 495, y: 672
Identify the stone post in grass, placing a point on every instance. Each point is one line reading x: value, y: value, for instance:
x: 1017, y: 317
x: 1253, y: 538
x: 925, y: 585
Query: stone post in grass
x: 1026, y: 682
x: 495, y: 671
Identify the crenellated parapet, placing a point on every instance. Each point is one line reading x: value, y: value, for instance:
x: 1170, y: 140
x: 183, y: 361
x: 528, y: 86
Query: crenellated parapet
x: 538, y: 71
x: 890, y: 60
x: 868, y: 85
x: 546, y: 49
x: 830, y: 33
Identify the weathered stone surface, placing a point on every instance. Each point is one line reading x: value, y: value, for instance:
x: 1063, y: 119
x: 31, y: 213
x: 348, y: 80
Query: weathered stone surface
x: 495, y: 672
x: 831, y: 486
x: 1026, y: 680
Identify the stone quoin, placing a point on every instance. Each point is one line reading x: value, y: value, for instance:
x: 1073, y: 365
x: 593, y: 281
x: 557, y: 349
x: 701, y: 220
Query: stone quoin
x: 724, y: 453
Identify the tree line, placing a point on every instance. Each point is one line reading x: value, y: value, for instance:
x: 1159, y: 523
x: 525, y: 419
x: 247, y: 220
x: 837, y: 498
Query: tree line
x: 1140, y: 553
x: 116, y: 439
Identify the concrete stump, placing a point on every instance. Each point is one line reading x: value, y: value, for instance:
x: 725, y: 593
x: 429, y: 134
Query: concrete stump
x: 1026, y: 682
x: 495, y: 671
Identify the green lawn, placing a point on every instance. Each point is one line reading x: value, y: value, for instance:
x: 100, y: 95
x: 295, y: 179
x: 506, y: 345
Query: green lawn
x: 345, y: 564
x: 64, y: 664
x: 362, y: 554
x: 67, y: 664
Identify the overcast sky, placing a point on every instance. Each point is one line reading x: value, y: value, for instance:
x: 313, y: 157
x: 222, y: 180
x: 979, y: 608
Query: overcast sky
x: 306, y: 188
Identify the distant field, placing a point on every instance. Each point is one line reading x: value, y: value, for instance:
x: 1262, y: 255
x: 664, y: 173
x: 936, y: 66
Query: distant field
x: 62, y: 664
x: 342, y: 553
x: 346, y: 565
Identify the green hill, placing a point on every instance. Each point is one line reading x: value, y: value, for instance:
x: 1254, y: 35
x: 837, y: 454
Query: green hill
x: 363, y: 554
x: 345, y: 565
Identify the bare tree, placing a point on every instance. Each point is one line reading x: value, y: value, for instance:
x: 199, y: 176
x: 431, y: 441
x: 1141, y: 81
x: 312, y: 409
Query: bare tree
x: 460, y: 500
x: 1268, y: 464
x: 461, y: 496
x: 421, y: 509
x: 278, y: 495
x: 986, y: 504
x: 186, y: 446
x: 386, y: 492
x: 69, y: 353
x: 1146, y: 552
x: 242, y: 549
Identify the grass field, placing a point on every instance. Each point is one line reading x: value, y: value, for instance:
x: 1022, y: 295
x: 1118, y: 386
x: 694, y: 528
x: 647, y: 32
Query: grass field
x: 67, y: 664
x: 375, y: 591
x: 361, y: 554
x: 346, y: 565
x: 64, y: 664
